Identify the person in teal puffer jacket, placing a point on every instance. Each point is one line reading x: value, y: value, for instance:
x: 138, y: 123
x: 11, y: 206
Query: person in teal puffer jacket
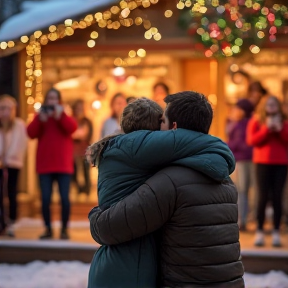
x: 126, y: 162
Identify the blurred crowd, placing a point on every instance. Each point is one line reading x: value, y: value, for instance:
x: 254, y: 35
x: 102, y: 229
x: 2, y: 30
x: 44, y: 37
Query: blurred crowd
x: 257, y: 134
x: 62, y: 143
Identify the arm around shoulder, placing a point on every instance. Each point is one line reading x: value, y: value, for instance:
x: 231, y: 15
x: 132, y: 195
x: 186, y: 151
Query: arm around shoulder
x: 144, y: 211
x: 163, y: 147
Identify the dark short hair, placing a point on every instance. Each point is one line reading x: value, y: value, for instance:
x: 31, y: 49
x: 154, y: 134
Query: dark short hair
x: 163, y: 85
x: 190, y: 110
x: 141, y: 114
x: 53, y: 90
x: 256, y: 85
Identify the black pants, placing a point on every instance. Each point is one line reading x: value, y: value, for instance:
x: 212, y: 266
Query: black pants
x: 82, y: 166
x: 46, y: 185
x: 11, y: 190
x: 270, y: 181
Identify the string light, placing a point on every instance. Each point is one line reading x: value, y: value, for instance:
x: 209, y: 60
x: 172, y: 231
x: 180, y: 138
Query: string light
x: 222, y: 33
x: 245, y: 24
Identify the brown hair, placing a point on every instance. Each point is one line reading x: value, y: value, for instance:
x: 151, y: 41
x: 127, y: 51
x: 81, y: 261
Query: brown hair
x: 261, y: 109
x: 53, y: 90
x: 142, y: 114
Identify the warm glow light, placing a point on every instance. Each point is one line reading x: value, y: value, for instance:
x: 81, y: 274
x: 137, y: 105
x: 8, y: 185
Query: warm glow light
x: 132, y: 54
x: 157, y: 36
x: 141, y: 53
x: 68, y: 22
x: 234, y: 68
x: 125, y: 13
x: 91, y: 43
x: 37, y: 73
x: 37, y: 34
x: 68, y: 84
x: 131, y: 80
x: 168, y: 13
x: 3, y: 45
x: 118, y: 62
x: 180, y: 5
x: 30, y: 100
x: 52, y: 28
x: 94, y: 35
x: 37, y: 105
x: 96, y: 105
x: 138, y: 21
x: 24, y: 39
x: 118, y: 71
x: 11, y: 44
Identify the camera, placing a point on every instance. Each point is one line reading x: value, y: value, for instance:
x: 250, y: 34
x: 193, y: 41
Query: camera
x: 47, y: 108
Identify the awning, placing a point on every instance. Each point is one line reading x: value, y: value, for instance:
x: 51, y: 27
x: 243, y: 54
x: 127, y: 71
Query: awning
x: 41, y: 15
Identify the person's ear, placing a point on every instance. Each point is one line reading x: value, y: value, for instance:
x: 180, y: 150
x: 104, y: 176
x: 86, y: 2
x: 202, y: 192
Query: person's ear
x: 174, y: 126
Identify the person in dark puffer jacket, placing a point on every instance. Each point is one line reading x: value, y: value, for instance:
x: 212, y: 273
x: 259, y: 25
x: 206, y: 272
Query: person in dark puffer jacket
x: 195, y: 211
x: 124, y: 167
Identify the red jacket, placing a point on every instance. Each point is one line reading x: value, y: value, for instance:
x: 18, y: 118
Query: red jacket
x: 55, y: 145
x: 268, y: 147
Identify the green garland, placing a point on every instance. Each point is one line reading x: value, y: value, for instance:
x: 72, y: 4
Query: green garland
x: 226, y: 28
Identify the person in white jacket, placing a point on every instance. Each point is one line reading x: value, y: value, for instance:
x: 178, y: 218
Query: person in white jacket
x: 13, y: 143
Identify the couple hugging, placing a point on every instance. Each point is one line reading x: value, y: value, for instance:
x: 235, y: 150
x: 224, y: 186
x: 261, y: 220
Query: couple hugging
x: 167, y: 214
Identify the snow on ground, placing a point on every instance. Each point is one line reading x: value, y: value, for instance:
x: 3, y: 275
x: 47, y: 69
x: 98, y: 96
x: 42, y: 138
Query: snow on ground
x: 73, y: 274
x: 39, y: 274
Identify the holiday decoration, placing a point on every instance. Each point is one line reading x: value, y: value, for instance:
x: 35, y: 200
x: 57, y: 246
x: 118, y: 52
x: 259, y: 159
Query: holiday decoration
x: 226, y: 28
x: 219, y: 27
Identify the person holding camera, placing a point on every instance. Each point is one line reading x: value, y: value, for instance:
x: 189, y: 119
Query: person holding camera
x: 54, y: 162
x: 267, y: 132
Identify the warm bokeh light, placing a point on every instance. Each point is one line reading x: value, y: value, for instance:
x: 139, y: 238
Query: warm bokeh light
x: 91, y: 43
x: 141, y: 53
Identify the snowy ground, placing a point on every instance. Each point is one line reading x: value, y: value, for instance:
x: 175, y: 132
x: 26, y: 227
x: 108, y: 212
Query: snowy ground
x: 74, y: 275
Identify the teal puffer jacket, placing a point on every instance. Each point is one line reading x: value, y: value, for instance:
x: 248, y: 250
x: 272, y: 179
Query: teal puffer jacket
x: 127, y: 162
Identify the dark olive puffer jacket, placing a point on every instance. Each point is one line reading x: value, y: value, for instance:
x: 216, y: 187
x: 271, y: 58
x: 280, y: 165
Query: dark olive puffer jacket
x: 198, y: 215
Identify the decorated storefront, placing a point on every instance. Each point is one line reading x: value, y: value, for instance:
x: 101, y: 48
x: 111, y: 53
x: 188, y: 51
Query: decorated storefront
x: 94, y: 50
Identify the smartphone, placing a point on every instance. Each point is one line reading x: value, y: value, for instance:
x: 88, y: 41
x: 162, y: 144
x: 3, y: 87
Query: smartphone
x: 47, y: 108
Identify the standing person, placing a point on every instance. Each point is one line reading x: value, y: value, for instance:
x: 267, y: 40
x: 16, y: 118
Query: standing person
x: 196, y: 204
x: 81, y: 140
x: 112, y: 124
x: 160, y: 91
x: 54, y: 162
x: 13, y: 143
x: 256, y: 92
x: 267, y: 132
x: 240, y: 115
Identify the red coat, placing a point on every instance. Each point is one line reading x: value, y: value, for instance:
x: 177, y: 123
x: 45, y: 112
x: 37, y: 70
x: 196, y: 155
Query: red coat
x: 55, y: 145
x: 268, y: 147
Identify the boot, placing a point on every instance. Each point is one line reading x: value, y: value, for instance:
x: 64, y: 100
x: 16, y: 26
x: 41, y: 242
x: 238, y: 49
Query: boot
x: 64, y: 235
x: 47, y: 234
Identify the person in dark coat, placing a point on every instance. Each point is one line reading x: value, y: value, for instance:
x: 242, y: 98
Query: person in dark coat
x: 192, y: 204
x: 124, y: 166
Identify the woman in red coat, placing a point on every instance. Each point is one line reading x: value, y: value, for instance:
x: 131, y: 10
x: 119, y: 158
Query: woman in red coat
x: 267, y: 132
x: 54, y: 161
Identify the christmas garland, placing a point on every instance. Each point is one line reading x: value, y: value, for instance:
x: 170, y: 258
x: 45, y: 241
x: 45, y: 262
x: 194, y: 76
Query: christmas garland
x: 226, y: 28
